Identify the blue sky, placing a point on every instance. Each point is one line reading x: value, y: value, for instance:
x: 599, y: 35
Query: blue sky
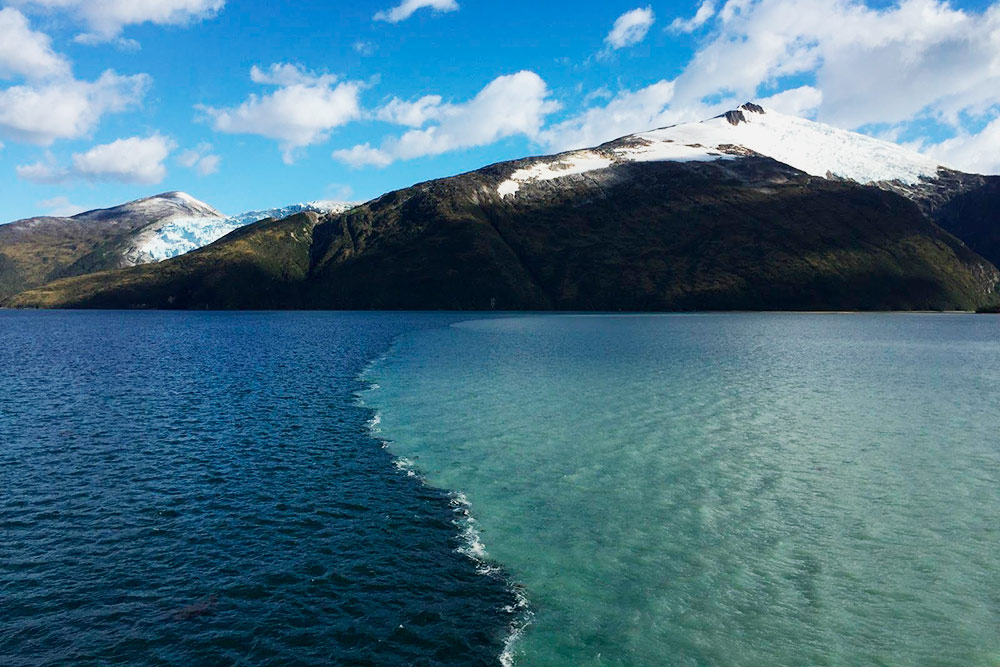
x: 252, y: 103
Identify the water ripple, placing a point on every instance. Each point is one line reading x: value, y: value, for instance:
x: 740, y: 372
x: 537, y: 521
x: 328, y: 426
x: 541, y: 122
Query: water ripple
x: 203, y: 489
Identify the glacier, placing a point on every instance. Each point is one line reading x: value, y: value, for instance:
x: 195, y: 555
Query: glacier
x: 181, y: 235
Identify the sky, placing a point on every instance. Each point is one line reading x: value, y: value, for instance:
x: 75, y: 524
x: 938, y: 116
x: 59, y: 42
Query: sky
x: 252, y: 104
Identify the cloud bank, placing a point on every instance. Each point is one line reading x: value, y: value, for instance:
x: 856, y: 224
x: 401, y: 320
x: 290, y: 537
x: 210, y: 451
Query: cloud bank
x: 512, y: 105
x: 136, y: 160
x: 105, y: 19
x: 302, y: 112
x: 841, y: 62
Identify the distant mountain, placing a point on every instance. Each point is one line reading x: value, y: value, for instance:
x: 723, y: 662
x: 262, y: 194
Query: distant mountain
x: 38, y: 250
x: 695, y: 216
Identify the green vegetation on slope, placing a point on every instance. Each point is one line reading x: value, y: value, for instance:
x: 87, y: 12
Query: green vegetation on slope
x: 253, y: 267
x: 974, y: 217
x: 36, y: 251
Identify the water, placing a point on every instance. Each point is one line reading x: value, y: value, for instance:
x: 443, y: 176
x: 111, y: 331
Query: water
x: 199, y: 488
x: 209, y: 488
x: 721, y: 489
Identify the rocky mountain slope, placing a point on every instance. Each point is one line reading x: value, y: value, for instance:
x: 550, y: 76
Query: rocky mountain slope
x: 973, y: 215
x: 38, y: 250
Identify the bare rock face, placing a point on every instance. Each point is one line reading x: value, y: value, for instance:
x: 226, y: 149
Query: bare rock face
x: 737, y: 116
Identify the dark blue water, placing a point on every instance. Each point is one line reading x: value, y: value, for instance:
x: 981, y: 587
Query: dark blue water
x: 182, y: 488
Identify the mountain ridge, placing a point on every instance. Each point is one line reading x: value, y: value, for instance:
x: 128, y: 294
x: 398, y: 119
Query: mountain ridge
x: 679, y: 218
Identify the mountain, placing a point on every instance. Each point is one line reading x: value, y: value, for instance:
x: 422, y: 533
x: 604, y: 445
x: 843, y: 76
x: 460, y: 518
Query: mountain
x: 749, y: 210
x: 37, y: 250
x: 967, y: 205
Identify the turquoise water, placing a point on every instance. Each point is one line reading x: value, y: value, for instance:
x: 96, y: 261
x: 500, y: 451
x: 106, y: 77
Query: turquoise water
x: 720, y: 489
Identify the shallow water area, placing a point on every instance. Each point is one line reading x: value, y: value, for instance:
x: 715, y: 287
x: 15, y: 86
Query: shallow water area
x: 738, y: 489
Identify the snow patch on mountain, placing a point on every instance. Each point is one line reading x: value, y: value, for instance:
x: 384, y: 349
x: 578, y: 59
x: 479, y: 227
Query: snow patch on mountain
x: 183, y: 234
x: 578, y: 162
x: 581, y: 162
x: 815, y: 148
x: 666, y: 151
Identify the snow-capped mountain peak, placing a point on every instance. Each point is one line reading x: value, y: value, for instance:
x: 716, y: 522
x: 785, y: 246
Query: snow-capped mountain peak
x: 158, y: 208
x: 815, y: 148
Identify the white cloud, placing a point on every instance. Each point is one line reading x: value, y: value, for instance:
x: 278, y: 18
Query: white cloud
x: 43, y: 171
x: 106, y: 18
x: 630, y: 28
x: 411, y: 114
x: 61, y: 207
x: 365, y: 48
x: 51, y: 104
x: 25, y: 52
x: 66, y: 108
x: 288, y: 74
x: 133, y: 160
x: 872, y: 65
x: 302, y: 112
x: 95, y: 39
x: 407, y: 8
x: 705, y: 12
x: 802, y: 101
x: 626, y: 113
x: 511, y: 105
x: 189, y: 158
x: 200, y: 159
x: 852, y: 66
x: 209, y: 164
x: 602, y: 93
x: 364, y: 155
x: 977, y: 153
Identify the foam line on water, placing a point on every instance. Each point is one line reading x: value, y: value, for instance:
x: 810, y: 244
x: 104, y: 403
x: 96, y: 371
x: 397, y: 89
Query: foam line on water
x: 472, y: 545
